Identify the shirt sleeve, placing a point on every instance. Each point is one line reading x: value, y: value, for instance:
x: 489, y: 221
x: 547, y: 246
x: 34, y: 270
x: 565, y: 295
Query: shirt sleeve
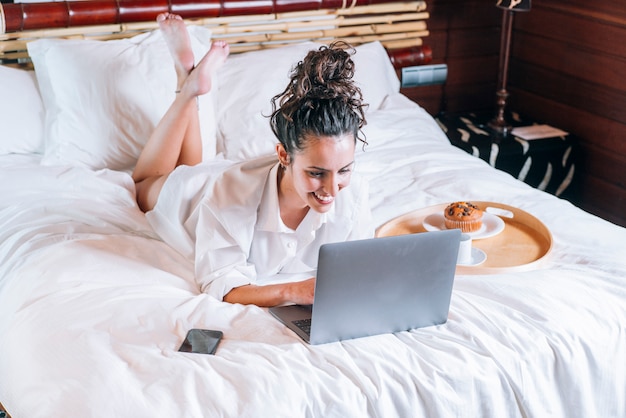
x: 220, y: 263
x: 183, y: 221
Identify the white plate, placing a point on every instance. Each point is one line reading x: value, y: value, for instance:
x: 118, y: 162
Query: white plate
x: 492, y: 225
x: 478, y: 257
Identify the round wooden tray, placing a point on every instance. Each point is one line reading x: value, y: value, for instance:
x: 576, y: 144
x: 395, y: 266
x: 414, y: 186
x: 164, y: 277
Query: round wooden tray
x: 522, y: 245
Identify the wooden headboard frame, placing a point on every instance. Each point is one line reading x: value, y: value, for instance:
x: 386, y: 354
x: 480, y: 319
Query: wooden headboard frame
x: 246, y: 25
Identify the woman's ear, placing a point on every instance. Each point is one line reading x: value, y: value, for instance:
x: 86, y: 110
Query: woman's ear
x: 283, y: 155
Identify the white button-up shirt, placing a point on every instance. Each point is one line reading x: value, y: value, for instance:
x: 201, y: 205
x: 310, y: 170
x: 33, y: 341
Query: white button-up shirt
x: 224, y: 217
x: 277, y: 248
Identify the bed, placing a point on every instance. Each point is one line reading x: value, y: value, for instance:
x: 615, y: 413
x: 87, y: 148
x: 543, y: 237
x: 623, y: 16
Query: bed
x: 93, y: 305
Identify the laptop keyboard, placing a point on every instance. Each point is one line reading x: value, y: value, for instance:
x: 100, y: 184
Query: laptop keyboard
x: 304, y: 325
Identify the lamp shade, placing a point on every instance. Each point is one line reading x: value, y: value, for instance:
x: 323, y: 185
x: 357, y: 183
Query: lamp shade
x: 514, y: 5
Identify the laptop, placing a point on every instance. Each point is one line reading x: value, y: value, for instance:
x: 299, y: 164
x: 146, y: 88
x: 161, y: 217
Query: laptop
x: 377, y: 286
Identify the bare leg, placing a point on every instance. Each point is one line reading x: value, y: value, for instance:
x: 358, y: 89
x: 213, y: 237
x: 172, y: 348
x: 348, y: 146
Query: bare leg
x: 177, y: 39
x: 176, y: 138
x: 179, y: 45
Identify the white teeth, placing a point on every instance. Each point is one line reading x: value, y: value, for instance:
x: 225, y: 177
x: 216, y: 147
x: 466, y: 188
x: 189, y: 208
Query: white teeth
x: 324, y: 198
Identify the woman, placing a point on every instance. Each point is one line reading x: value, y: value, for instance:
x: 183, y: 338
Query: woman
x: 239, y: 221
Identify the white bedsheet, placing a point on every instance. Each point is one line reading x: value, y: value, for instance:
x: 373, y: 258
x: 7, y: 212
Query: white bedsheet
x: 93, y: 308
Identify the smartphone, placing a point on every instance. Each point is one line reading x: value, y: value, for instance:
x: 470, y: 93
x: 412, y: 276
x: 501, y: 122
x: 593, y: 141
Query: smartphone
x: 202, y: 341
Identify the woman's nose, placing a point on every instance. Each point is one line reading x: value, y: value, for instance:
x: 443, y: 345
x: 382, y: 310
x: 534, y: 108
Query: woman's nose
x: 332, y: 185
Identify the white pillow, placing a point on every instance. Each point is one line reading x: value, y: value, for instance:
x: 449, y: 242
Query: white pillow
x: 21, y: 112
x: 374, y: 74
x: 103, y: 99
x: 249, y: 80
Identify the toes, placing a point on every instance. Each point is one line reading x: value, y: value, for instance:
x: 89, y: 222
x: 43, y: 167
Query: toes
x: 161, y: 17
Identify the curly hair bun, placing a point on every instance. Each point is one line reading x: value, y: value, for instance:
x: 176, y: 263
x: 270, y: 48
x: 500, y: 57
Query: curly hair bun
x: 320, y: 99
x: 327, y: 73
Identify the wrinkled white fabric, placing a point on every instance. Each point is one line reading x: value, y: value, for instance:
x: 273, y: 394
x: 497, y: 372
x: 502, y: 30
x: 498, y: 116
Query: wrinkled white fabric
x: 93, y: 308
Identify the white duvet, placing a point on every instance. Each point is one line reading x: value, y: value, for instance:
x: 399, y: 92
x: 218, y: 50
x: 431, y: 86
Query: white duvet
x: 93, y: 308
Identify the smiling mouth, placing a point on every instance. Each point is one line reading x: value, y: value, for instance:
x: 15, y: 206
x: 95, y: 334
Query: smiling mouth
x: 323, y: 199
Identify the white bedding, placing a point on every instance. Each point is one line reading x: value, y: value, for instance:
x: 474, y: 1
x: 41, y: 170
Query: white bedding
x: 93, y: 307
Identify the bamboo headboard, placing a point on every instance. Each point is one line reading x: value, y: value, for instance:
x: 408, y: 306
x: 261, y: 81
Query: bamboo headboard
x: 246, y: 25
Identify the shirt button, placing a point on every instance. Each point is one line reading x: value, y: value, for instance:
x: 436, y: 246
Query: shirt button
x: 291, y: 244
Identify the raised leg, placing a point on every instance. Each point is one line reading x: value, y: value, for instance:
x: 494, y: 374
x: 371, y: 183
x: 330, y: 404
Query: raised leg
x: 176, y: 139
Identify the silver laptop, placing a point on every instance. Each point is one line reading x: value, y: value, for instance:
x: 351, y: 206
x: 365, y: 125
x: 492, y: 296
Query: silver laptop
x: 376, y: 286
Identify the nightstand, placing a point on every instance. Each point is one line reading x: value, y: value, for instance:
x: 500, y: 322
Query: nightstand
x: 547, y: 162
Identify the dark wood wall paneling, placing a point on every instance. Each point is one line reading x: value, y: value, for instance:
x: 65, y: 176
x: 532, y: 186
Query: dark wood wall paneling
x: 465, y: 35
x: 568, y: 69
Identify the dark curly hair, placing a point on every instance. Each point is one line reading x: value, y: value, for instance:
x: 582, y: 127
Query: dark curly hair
x: 320, y: 100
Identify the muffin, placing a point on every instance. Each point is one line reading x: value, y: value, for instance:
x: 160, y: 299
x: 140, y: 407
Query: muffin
x: 464, y: 216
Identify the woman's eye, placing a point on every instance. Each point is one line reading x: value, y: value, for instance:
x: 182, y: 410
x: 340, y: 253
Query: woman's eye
x: 316, y: 173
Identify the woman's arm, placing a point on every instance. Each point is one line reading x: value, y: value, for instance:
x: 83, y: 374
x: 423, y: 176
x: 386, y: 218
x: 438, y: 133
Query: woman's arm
x: 300, y: 293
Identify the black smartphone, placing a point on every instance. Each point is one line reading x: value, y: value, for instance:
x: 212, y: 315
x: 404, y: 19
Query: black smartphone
x: 203, y: 341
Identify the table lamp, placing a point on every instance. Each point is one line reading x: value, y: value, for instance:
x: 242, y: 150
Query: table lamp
x: 509, y: 7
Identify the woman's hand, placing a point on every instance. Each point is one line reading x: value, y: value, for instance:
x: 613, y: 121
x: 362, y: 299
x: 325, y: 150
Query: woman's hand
x: 300, y: 293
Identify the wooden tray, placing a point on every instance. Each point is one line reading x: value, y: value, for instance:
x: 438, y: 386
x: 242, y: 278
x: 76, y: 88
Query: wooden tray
x: 522, y: 245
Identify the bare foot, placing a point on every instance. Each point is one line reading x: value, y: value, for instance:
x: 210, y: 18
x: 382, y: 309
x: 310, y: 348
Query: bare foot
x: 199, y: 80
x: 178, y: 42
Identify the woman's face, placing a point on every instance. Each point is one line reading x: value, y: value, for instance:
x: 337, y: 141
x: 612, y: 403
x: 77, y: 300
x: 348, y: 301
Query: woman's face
x: 321, y: 170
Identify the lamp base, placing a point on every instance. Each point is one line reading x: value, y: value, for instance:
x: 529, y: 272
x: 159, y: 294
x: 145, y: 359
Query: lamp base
x: 499, y: 124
